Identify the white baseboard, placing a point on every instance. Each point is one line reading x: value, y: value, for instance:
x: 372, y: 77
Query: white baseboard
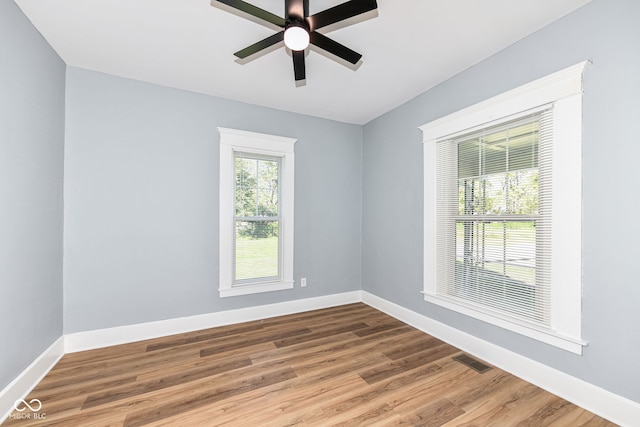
x: 29, y: 378
x: 613, y: 407
x: 89, y: 340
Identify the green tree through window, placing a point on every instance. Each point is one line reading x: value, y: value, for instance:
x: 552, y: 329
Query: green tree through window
x: 257, y: 243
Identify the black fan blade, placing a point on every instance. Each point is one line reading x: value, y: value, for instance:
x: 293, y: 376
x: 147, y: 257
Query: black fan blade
x: 297, y: 9
x: 254, y: 11
x: 298, y: 64
x: 332, y: 46
x: 340, y: 13
x: 262, y: 44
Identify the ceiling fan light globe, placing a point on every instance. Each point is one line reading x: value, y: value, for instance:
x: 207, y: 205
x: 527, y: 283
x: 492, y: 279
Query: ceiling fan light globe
x: 296, y: 38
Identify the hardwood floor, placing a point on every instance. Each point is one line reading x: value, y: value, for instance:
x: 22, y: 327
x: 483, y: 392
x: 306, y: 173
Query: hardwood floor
x: 348, y: 365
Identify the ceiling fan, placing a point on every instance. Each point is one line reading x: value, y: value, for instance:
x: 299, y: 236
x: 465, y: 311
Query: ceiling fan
x: 299, y: 29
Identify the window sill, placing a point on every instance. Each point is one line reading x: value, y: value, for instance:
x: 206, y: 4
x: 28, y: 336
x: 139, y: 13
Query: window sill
x: 254, y: 288
x: 573, y: 345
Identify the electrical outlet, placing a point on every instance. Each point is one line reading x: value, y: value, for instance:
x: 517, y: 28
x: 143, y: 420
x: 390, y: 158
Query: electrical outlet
x: 303, y: 282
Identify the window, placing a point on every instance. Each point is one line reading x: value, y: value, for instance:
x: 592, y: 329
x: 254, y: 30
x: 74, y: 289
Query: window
x: 257, y: 243
x: 503, y: 210
x: 491, y: 220
x: 256, y: 212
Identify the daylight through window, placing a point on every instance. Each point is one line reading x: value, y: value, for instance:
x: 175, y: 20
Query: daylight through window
x: 492, y: 217
x: 503, y: 210
x: 257, y: 218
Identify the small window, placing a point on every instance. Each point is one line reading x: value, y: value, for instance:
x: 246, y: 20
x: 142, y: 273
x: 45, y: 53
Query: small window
x: 257, y: 244
x: 256, y: 212
x: 503, y: 210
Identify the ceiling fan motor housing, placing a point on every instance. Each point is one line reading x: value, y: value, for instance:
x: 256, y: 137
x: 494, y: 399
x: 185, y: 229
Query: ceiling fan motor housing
x: 296, y: 34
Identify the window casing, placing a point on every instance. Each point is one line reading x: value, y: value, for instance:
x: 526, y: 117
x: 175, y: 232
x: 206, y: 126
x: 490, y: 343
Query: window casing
x: 256, y: 212
x: 503, y: 210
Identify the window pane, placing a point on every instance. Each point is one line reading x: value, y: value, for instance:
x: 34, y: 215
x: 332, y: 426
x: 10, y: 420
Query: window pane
x: 501, y: 151
x: 256, y: 187
x: 256, y: 250
x: 521, y: 192
x: 246, y: 181
x: 498, y: 172
x: 513, y: 193
x: 469, y: 158
x: 482, y: 196
x: 496, y: 264
x: 267, y: 187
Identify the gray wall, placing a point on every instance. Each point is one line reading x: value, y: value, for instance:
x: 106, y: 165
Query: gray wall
x: 141, y: 201
x: 141, y: 189
x: 606, y: 32
x: 31, y: 162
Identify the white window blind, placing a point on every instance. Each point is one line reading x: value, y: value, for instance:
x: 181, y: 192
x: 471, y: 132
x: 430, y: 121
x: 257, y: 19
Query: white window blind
x: 493, y: 218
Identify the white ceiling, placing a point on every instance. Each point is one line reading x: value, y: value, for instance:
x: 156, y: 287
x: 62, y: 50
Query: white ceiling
x: 408, y: 47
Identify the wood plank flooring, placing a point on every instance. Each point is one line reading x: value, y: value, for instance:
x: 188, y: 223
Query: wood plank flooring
x: 349, y: 365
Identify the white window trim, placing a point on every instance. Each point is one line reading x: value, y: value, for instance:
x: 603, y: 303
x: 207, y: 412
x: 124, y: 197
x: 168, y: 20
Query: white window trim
x: 232, y: 140
x: 564, y: 90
